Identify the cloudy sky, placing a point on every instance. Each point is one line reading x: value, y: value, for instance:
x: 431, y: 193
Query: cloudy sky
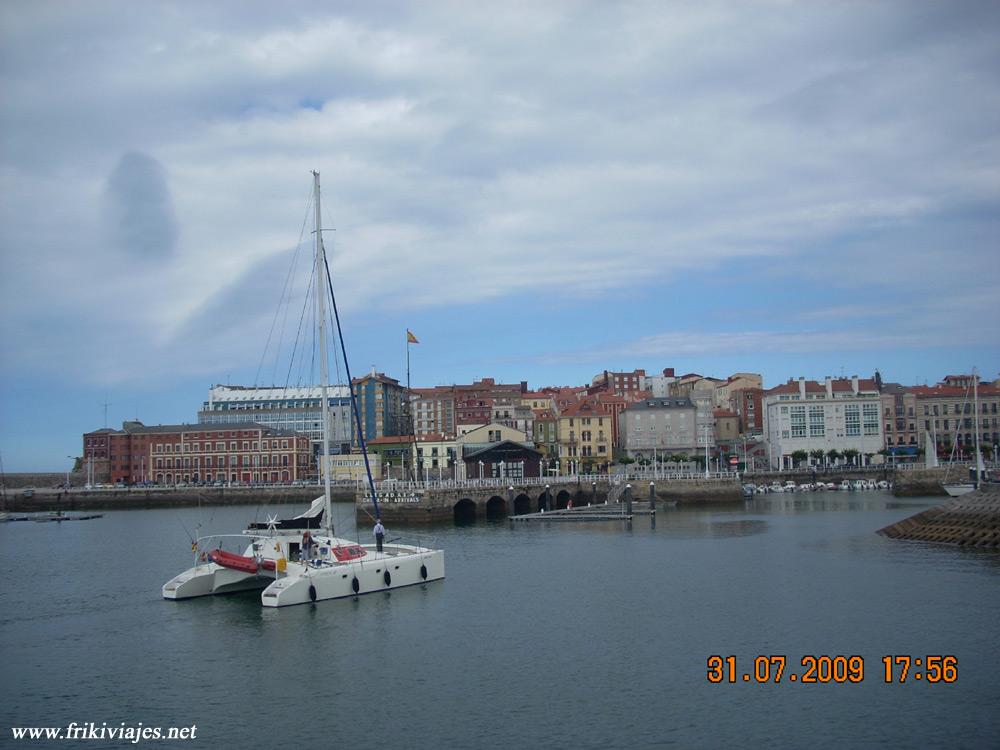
x: 539, y: 190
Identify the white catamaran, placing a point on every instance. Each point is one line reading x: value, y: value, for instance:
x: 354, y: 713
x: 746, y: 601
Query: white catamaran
x: 287, y: 559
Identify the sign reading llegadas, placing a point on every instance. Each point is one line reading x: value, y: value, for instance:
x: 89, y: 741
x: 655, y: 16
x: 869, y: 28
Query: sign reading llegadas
x: 397, y: 496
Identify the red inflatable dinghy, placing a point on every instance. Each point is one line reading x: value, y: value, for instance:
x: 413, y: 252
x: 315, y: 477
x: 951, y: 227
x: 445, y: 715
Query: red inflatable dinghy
x: 238, y: 562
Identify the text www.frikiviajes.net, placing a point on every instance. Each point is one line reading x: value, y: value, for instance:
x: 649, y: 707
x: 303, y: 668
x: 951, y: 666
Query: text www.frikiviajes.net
x: 91, y: 731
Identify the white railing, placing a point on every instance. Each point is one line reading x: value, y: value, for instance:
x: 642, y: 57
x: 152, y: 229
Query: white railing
x: 396, y: 485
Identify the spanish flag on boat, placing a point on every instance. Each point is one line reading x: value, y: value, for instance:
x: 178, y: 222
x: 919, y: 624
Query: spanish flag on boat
x: 410, y: 338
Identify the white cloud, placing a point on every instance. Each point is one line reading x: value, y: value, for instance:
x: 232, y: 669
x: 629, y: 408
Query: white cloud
x: 548, y: 148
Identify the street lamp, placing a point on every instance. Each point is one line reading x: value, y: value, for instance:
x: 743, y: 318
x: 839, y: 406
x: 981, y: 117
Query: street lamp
x: 706, y: 451
x: 67, y: 472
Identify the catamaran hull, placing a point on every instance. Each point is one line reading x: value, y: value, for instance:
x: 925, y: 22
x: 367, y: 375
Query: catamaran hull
x: 371, y: 576
x: 210, y: 579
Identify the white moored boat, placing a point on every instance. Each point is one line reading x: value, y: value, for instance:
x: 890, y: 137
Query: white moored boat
x: 275, y: 558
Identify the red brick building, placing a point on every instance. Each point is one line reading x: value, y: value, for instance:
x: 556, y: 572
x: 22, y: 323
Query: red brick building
x: 170, y: 454
x: 746, y: 404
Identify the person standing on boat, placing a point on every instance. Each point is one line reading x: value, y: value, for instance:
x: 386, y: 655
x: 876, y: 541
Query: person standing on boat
x: 379, y: 532
x: 307, y: 546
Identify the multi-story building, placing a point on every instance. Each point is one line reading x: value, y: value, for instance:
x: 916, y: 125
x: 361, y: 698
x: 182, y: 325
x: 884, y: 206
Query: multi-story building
x: 538, y: 400
x: 293, y: 409
x: 655, y: 427
x: 620, y: 383
x: 433, y: 410
x: 545, y: 433
x: 945, y: 413
x: 171, y: 454
x: 382, y: 404
x: 899, y: 420
x: 727, y: 425
x: 613, y: 405
x: 746, y: 403
x: 435, y: 457
x: 474, y: 402
x: 585, y: 438
x: 395, y: 453
x: 736, y: 382
x: 659, y: 385
x: 472, y: 412
x: 836, y: 415
x: 514, y: 414
x: 687, y: 384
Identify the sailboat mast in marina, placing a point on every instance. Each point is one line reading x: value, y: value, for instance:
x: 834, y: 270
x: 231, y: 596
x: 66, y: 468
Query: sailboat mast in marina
x: 324, y: 369
x: 976, y: 474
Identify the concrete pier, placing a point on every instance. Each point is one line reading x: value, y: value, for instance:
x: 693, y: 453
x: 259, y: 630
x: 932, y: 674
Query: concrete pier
x: 972, y: 520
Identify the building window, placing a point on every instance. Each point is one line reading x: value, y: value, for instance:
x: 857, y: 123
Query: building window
x: 870, y: 412
x: 798, y: 416
x: 852, y: 420
x: 817, y: 422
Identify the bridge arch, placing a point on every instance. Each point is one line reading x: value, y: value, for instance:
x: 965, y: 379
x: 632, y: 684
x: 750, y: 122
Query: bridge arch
x: 465, y: 511
x: 496, y: 507
x: 522, y: 504
x: 545, y: 501
x: 562, y: 499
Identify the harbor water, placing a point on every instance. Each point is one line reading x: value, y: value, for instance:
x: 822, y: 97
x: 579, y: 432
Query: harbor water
x: 590, y: 635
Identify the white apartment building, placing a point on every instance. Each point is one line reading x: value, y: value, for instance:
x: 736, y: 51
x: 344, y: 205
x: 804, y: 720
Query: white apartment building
x: 838, y: 414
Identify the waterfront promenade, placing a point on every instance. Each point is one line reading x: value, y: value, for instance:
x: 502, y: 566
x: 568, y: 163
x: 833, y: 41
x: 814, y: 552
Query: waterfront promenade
x: 469, y: 499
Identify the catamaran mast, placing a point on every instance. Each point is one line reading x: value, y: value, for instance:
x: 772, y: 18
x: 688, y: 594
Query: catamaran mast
x: 323, y: 365
x: 323, y: 274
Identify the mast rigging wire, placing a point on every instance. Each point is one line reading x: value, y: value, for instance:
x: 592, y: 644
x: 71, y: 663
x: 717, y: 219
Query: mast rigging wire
x: 354, y: 400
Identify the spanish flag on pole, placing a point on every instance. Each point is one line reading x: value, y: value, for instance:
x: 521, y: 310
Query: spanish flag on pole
x: 410, y: 338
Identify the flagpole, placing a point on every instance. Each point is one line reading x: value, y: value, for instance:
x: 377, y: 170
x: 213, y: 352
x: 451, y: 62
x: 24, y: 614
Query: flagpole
x: 409, y: 400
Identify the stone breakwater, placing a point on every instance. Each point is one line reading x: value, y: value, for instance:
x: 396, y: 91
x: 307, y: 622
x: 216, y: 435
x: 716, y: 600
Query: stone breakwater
x: 922, y: 482
x: 135, y: 499
x: 971, y: 520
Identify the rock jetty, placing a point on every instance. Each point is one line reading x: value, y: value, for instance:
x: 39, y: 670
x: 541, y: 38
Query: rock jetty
x: 971, y: 520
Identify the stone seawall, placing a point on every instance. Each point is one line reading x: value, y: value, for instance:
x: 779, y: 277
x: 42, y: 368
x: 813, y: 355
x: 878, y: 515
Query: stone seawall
x: 20, y: 480
x: 438, y: 505
x: 925, y: 481
x: 135, y: 499
x: 693, y: 491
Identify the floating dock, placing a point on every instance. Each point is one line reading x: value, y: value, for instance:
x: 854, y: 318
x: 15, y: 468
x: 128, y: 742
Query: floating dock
x: 609, y: 512
x: 971, y: 520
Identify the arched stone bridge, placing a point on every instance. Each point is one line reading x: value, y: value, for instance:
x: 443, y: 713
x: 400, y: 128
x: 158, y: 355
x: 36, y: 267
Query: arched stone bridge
x: 491, y: 499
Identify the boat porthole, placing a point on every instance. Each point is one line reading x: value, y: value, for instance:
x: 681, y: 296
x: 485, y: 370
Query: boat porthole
x: 312, y: 593
x: 387, y: 578
x: 423, y: 572
x: 356, y: 585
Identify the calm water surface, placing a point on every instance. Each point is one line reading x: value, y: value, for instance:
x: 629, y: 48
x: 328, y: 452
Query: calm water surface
x: 560, y: 636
